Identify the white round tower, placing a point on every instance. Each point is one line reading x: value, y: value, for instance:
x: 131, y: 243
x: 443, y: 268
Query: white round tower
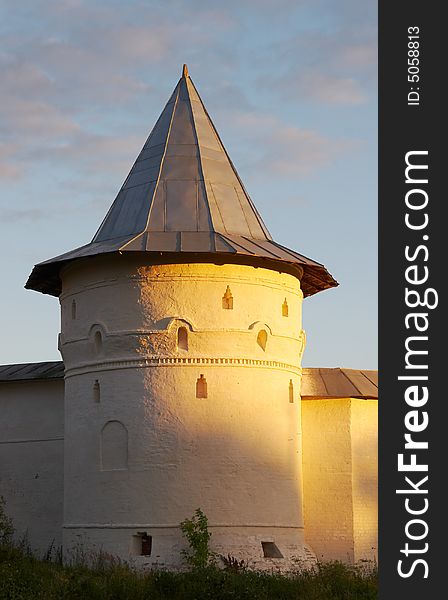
x: 182, y: 342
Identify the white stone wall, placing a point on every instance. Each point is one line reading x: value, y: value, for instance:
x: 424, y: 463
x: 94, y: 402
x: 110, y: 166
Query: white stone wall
x: 327, y: 467
x: 364, y: 431
x: 341, y: 478
x: 235, y: 454
x: 31, y: 459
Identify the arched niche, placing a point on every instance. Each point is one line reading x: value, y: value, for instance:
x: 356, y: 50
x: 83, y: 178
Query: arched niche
x: 114, y: 446
x: 97, y: 336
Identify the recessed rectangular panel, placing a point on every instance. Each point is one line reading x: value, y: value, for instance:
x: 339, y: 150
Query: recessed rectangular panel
x: 181, y: 205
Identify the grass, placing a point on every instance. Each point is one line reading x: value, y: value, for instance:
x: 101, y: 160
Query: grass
x: 24, y: 577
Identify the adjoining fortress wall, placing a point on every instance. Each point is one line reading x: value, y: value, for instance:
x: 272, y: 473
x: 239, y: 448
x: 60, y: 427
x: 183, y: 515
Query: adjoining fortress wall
x: 340, y: 477
x: 32, y: 459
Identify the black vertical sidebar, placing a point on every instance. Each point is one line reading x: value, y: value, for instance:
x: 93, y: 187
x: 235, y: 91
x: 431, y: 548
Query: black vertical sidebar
x: 413, y: 525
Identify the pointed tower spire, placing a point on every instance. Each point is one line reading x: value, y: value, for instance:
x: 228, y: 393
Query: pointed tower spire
x: 184, y: 195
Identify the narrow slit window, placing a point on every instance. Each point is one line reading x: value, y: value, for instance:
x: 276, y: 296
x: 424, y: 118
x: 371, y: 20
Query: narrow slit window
x: 73, y: 309
x: 182, y: 338
x: 270, y: 550
x: 96, y: 391
x: 227, y: 299
x: 285, y: 309
x: 201, y: 387
x: 98, y: 341
x: 291, y: 391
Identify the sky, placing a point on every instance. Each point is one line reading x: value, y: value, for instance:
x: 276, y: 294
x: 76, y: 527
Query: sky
x: 291, y: 86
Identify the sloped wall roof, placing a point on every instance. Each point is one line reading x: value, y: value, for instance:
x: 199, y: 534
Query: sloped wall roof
x: 339, y: 383
x: 316, y: 383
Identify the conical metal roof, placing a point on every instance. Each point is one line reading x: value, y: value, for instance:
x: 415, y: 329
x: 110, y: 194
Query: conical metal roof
x: 183, y: 195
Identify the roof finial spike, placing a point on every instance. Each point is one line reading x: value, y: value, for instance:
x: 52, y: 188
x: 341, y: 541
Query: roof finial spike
x: 185, y: 71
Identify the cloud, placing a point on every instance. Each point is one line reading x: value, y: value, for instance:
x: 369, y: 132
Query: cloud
x: 80, y: 61
x: 359, y: 55
x: 99, y: 155
x: 9, y: 170
x: 329, y: 89
x: 332, y: 68
x: 68, y: 63
x: 283, y: 150
x: 13, y: 215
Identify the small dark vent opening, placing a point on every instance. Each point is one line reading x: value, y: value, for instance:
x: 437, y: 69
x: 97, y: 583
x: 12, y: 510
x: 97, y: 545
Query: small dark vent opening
x: 270, y: 550
x: 96, y: 391
x: 73, y: 309
x: 285, y: 308
x: 143, y: 544
x: 146, y: 544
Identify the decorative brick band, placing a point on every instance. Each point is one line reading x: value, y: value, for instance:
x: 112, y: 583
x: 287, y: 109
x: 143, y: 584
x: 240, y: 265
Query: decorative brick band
x: 168, y: 361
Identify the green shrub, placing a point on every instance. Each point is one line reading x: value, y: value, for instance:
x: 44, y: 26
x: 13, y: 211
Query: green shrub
x: 198, y: 536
